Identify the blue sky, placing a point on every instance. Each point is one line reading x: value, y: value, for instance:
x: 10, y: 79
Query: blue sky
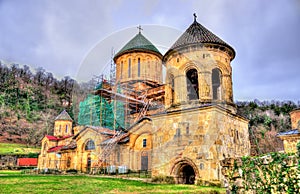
x: 61, y: 35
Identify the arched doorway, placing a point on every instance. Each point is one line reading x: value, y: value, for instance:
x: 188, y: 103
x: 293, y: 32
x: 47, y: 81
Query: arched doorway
x: 185, y: 171
x: 186, y: 175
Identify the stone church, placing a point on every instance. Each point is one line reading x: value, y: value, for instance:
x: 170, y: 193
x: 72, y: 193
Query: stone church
x: 181, y: 127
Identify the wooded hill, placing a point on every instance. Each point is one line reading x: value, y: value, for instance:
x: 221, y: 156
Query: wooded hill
x: 29, y: 102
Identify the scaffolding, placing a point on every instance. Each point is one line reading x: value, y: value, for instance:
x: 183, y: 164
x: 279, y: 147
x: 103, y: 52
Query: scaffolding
x: 116, y: 107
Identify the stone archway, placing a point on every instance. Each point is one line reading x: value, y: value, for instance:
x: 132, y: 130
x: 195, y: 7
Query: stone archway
x: 185, y: 172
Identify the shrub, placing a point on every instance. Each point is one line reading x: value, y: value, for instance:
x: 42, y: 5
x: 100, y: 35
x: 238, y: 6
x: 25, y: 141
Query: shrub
x: 163, y: 179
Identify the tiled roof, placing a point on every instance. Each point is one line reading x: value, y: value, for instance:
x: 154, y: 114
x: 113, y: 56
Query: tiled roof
x: 123, y: 138
x: 64, y: 116
x: 51, y: 138
x: 101, y: 130
x: 56, y: 148
x: 54, y: 138
x: 138, y: 43
x: 27, y: 161
x: 291, y: 132
x: 197, y: 34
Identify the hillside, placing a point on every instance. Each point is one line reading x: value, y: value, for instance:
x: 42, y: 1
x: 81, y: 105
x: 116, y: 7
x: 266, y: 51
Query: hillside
x: 266, y: 119
x: 29, y: 102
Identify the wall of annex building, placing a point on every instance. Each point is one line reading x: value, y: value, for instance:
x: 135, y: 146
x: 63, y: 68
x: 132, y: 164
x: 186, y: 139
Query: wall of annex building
x: 295, y: 119
x: 290, y: 143
x: 204, y: 60
x: 81, y: 158
x: 201, y: 137
x: 138, y: 66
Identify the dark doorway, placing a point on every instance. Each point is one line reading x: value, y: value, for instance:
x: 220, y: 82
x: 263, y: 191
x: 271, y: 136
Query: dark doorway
x: 144, y: 161
x: 192, y: 84
x: 89, y: 163
x: 187, y: 175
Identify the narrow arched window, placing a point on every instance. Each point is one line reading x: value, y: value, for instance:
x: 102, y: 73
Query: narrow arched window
x: 144, y: 143
x: 121, y: 71
x: 69, y: 162
x: 66, y: 128
x: 90, y: 145
x: 192, y: 84
x: 172, y: 84
x: 139, y: 67
x: 216, y: 83
x: 45, y: 149
x: 129, y: 68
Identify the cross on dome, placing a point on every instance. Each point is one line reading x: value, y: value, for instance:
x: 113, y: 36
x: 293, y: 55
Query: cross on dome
x: 140, y: 28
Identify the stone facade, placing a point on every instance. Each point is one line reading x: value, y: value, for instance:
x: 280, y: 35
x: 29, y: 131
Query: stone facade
x: 184, y: 127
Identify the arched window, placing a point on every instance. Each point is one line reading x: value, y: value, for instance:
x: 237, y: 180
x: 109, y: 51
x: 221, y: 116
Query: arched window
x: 90, y: 145
x: 144, y: 143
x: 298, y: 125
x: 192, y: 84
x: 121, y: 71
x: 139, y: 67
x: 172, y: 84
x: 216, y: 83
x: 69, y: 162
x: 66, y: 128
x: 129, y: 68
x: 45, y: 148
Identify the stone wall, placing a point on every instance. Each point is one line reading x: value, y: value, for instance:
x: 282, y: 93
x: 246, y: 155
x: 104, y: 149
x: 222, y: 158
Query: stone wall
x: 271, y: 173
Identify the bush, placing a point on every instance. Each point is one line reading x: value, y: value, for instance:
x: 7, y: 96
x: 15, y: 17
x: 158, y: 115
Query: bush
x: 163, y: 179
x: 201, y: 182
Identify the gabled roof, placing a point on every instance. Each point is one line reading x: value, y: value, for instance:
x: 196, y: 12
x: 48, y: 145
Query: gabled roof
x: 63, y: 116
x: 138, y: 43
x: 197, y: 34
x: 55, y: 149
x: 101, y: 130
x: 54, y: 138
x: 290, y: 132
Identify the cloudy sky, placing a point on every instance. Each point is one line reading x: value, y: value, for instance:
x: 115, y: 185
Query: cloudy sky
x: 62, y: 36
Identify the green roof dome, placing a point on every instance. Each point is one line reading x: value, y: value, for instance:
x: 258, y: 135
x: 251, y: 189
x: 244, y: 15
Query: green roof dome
x: 139, y: 43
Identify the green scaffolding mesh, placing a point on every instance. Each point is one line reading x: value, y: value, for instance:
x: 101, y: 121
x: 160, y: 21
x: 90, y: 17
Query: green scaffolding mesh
x: 97, y: 111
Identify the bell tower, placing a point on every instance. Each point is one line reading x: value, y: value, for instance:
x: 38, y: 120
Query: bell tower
x: 198, y: 68
x: 63, y: 125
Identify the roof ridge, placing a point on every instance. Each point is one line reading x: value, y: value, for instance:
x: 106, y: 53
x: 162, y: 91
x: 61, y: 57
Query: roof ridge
x: 64, y: 115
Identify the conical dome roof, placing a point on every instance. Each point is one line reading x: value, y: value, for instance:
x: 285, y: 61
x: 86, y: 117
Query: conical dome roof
x: 197, y: 34
x: 138, y: 43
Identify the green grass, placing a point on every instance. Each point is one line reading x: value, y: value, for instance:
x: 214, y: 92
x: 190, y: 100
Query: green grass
x: 10, y: 172
x: 14, y: 148
x: 10, y: 183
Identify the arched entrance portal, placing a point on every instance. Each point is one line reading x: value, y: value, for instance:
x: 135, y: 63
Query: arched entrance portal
x: 185, y: 171
x: 186, y: 175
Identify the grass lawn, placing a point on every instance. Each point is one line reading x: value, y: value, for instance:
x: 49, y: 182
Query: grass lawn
x: 14, y: 148
x: 16, y: 183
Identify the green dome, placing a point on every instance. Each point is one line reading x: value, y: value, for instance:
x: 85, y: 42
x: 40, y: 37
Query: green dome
x: 139, y: 43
